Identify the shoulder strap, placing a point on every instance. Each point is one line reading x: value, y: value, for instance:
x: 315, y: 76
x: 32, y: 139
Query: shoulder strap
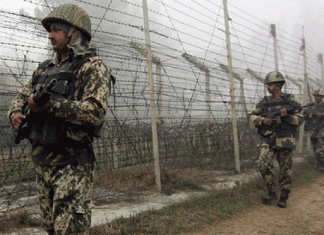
x: 79, y: 61
x: 43, y: 65
x: 286, y: 96
x: 73, y: 70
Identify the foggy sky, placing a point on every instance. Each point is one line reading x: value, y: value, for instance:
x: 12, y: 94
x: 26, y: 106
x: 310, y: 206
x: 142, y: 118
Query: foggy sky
x: 291, y: 16
x: 288, y: 15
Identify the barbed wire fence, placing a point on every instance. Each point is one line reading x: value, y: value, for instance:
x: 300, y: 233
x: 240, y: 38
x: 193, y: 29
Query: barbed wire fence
x: 191, y: 86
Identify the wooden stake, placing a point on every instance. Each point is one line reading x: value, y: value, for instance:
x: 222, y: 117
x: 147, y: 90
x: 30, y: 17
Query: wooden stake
x: 152, y: 100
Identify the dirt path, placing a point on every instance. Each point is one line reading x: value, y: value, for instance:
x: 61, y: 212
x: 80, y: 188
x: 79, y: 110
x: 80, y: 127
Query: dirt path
x: 304, y: 215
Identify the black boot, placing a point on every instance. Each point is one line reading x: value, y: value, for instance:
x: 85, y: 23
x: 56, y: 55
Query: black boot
x: 270, y: 197
x: 282, y: 202
x: 320, y: 164
x: 283, y: 198
x: 50, y: 231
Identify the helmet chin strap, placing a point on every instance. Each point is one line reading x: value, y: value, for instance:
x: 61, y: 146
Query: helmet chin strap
x: 70, y: 32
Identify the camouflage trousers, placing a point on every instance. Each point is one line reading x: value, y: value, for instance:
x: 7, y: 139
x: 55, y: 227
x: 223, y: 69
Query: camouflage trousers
x: 65, y: 195
x: 318, y: 147
x: 266, y: 167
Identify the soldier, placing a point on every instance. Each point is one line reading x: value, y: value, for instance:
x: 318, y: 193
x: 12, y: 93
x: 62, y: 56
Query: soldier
x: 67, y: 121
x: 314, y: 125
x: 278, y: 137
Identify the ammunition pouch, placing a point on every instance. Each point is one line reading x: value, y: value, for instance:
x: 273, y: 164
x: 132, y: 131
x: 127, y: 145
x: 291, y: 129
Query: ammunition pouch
x: 83, y: 149
x: 46, y: 130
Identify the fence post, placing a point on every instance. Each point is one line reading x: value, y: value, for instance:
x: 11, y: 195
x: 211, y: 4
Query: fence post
x: 275, y: 47
x: 320, y: 60
x: 232, y: 92
x: 304, y: 101
x: 152, y: 100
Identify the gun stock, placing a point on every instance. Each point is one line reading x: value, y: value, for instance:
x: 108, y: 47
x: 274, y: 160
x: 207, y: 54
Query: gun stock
x: 40, y: 98
x: 266, y: 131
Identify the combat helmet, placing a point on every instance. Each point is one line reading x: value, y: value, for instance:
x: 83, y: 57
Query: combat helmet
x: 319, y: 92
x: 71, y: 14
x: 274, y: 77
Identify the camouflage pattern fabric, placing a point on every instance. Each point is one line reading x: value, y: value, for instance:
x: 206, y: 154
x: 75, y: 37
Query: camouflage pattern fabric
x: 278, y: 145
x: 266, y: 166
x: 314, y: 125
x: 67, y: 209
x: 95, y: 76
x: 65, y: 165
x: 318, y: 147
x: 88, y: 109
x: 71, y: 14
x: 285, y: 133
x: 65, y: 188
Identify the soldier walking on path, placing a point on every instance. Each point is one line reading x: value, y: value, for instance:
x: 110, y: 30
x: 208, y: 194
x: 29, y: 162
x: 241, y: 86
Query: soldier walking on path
x: 278, y: 130
x: 314, y: 125
x: 64, y: 103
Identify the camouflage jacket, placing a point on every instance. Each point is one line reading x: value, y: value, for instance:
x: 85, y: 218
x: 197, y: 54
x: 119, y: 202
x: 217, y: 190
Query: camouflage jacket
x: 314, y: 124
x: 282, y: 135
x: 88, y: 109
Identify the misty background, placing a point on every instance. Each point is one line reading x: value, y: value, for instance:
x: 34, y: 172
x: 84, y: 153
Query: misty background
x: 177, y: 27
x: 190, y: 73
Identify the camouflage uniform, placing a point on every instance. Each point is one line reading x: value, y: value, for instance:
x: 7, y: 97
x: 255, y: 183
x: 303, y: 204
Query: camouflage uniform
x: 278, y: 144
x: 62, y: 137
x: 67, y: 208
x: 314, y: 125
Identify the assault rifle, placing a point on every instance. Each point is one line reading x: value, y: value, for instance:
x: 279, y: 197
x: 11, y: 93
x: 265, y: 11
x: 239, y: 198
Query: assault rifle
x: 266, y: 131
x: 40, y: 98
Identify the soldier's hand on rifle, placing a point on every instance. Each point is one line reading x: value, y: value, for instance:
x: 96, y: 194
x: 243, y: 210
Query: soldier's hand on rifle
x: 283, y: 112
x: 267, y: 121
x: 319, y: 115
x: 16, y: 119
x: 33, y: 106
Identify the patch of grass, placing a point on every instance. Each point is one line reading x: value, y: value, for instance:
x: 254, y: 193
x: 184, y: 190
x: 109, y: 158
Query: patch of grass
x: 173, y: 181
x: 142, y: 178
x: 18, y: 220
x: 305, y: 172
x: 200, y: 211
x: 182, y: 217
x: 306, y: 177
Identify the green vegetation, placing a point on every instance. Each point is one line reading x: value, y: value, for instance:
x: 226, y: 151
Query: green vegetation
x: 19, y: 220
x: 185, y: 216
x: 201, y: 211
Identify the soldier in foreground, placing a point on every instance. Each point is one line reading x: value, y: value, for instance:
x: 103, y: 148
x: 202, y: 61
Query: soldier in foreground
x: 65, y: 119
x: 314, y: 124
x: 278, y: 130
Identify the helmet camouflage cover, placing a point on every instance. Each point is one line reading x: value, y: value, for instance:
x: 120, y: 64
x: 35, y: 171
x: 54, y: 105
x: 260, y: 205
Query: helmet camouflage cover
x: 71, y: 14
x: 274, y: 77
x: 319, y: 92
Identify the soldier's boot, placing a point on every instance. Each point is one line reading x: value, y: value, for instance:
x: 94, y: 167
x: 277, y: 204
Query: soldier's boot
x: 270, y: 197
x: 320, y: 164
x: 283, y: 198
x: 50, y: 232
